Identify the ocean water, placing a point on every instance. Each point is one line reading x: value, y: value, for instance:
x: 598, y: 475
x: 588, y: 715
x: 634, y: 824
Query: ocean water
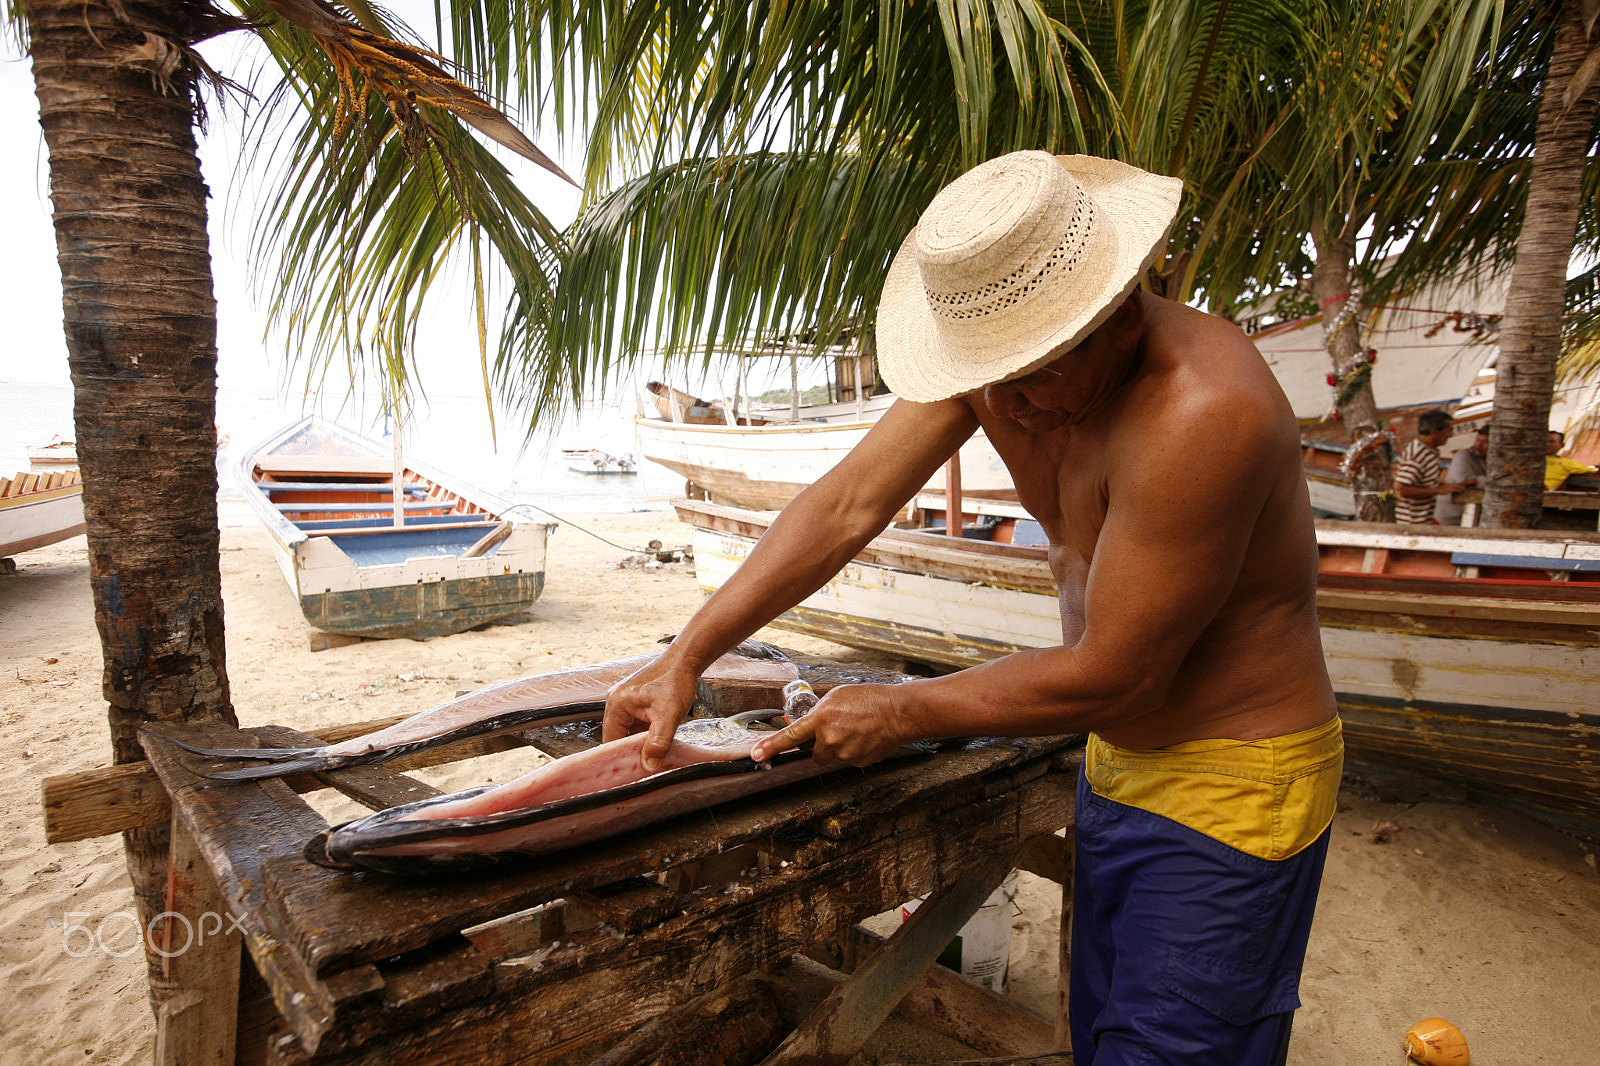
x: 449, y: 433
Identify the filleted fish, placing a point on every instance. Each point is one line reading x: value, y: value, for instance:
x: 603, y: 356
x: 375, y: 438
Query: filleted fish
x: 574, y: 694
x: 573, y: 800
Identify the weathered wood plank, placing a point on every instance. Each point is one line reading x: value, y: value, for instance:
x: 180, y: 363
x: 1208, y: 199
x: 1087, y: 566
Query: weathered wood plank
x: 344, y: 921
x: 237, y: 827
x: 112, y: 799
x: 568, y: 1000
x: 851, y: 1013
x: 732, y: 1026
x: 947, y: 1003
x: 1048, y: 1058
x: 1064, y: 941
x: 1046, y: 857
x: 200, y: 959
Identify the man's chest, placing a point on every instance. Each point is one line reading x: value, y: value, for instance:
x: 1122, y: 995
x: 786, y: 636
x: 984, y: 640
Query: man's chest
x: 1061, y: 479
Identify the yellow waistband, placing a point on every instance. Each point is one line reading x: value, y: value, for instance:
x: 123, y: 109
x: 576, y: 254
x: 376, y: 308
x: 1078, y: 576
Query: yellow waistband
x: 1268, y: 798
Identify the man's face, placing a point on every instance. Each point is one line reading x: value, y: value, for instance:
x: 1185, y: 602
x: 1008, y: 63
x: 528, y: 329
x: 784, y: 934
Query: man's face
x: 1553, y: 443
x: 1480, y: 445
x: 1040, y: 401
x: 1438, y: 437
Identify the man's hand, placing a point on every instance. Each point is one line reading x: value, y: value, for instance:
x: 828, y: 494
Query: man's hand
x: 656, y: 698
x: 856, y: 724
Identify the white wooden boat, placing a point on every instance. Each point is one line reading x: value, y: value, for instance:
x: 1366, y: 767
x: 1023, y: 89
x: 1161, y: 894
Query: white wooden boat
x: 764, y: 466
x: 38, y: 509
x: 59, y: 452
x: 1471, y: 655
x: 595, y: 461
x: 367, y: 557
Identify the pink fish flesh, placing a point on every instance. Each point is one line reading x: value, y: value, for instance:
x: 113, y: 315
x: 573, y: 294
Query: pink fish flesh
x: 574, y: 800
x: 574, y: 694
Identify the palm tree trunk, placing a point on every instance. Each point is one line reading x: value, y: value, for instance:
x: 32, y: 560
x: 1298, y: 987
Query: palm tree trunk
x: 140, y: 320
x: 1530, y: 334
x: 1370, y: 468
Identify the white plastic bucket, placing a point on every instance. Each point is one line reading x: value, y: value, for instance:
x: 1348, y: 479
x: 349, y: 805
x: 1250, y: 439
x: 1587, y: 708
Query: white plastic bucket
x: 982, y: 949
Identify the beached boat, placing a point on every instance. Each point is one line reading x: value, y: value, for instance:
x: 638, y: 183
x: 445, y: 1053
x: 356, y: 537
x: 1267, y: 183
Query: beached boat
x: 59, y: 452
x: 1470, y: 655
x: 371, y: 555
x: 38, y: 509
x: 764, y: 463
x: 595, y: 461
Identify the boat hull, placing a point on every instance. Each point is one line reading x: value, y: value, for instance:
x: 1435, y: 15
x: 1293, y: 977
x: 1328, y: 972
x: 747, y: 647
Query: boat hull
x: 326, y: 497
x: 33, y: 517
x: 1490, y: 683
x: 764, y: 467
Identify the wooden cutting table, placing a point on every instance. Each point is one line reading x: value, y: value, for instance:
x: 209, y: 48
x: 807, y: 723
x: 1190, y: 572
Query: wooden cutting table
x: 557, y: 960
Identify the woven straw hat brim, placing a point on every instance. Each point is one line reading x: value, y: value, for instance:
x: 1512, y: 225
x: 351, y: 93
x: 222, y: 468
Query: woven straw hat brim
x: 1136, y: 210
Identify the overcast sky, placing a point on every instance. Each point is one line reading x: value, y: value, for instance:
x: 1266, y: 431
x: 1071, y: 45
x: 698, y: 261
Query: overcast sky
x: 31, y: 346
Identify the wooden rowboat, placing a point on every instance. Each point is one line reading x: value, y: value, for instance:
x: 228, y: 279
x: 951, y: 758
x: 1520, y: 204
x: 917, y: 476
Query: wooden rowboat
x: 765, y: 465
x: 38, y: 509
x: 59, y: 452
x: 1468, y: 655
x: 371, y: 555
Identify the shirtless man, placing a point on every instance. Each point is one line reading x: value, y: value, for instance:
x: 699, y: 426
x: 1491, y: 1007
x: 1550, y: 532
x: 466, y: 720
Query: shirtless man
x: 1159, y: 454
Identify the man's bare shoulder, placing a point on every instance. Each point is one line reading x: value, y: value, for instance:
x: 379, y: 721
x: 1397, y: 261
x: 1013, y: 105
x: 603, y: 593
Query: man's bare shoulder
x: 1207, y: 404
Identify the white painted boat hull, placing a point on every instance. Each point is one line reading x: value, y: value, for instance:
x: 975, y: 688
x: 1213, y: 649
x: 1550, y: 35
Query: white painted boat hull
x: 376, y: 580
x: 764, y: 467
x: 37, y: 519
x: 1512, y: 714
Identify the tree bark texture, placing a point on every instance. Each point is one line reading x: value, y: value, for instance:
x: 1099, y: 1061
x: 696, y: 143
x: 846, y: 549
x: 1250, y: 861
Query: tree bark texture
x: 1530, y: 333
x: 1371, y: 476
x: 116, y: 101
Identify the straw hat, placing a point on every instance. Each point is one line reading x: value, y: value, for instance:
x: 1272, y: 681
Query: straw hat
x: 1014, y: 262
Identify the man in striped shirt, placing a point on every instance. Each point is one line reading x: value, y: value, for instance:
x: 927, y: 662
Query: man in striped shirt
x: 1417, y: 474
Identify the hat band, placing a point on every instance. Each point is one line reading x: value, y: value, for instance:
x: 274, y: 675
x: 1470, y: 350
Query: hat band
x: 994, y: 298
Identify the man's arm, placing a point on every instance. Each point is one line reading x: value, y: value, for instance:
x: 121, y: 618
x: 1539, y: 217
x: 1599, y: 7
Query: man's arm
x: 1461, y: 472
x: 1412, y: 483
x: 820, y: 531
x: 1167, y: 558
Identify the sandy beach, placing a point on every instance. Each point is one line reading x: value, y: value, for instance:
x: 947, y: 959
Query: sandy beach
x: 1456, y: 910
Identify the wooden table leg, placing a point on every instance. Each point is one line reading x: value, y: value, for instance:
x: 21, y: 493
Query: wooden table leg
x: 843, y: 1023
x: 1064, y: 970
x: 198, y: 1025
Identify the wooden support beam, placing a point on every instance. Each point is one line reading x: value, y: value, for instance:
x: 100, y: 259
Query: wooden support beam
x: 1046, y: 857
x: 1049, y: 1058
x: 200, y: 955
x: 732, y: 1026
x: 844, y: 1022
x: 951, y: 1005
x: 1064, y: 940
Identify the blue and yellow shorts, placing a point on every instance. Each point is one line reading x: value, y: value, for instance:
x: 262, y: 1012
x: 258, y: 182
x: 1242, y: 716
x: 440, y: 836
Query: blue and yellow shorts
x: 1196, y: 880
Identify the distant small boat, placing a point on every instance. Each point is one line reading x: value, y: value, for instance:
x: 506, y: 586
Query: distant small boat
x: 433, y: 558
x: 59, y: 452
x: 39, y: 509
x: 595, y: 461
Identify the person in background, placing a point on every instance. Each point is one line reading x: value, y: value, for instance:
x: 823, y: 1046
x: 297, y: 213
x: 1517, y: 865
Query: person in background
x: 1557, y: 467
x: 1416, y: 472
x: 1467, y: 467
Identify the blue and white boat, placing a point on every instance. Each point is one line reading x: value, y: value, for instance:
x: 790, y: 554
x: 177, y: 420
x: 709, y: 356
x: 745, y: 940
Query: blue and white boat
x: 374, y: 545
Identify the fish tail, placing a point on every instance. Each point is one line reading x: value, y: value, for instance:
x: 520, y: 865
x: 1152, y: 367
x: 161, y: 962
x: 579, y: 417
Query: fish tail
x: 316, y: 853
x: 310, y: 765
x: 239, y: 753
